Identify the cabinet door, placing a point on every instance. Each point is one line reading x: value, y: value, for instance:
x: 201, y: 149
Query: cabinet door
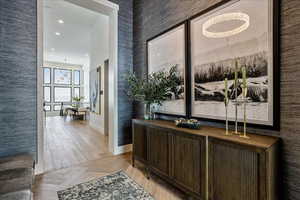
x: 188, y: 161
x: 140, y: 142
x: 236, y: 172
x: 158, y: 150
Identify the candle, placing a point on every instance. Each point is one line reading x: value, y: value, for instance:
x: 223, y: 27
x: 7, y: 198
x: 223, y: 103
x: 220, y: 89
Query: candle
x: 226, y: 104
x: 235, y: 94
x: 236, y: 74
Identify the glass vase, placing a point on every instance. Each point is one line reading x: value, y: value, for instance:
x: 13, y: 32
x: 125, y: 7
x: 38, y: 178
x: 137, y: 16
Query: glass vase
x: 147, y: 111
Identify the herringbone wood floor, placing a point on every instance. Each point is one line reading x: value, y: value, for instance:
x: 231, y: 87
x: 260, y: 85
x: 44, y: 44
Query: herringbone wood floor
x: 76, y: 154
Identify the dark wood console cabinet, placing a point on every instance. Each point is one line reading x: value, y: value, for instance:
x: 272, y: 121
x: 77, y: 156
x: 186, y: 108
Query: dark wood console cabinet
x: 206, y: 164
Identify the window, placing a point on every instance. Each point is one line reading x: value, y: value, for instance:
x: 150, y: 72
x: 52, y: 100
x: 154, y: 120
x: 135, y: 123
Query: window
x: 76, y: 92
x: 47, y: 75
x: 76, y: 77
x: 62, y: 94
x: 62, y: 76
x: 60, y: 85
x: 47, y: 94
x: 47, y: 108
x: 57, y: 107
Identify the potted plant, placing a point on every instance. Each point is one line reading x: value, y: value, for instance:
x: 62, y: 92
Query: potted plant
x: 152, y: 89
x: 77, y: 101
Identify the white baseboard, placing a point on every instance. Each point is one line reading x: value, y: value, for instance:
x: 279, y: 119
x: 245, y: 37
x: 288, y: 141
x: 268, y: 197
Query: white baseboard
x: 123, y: 149
x: 39, y: 168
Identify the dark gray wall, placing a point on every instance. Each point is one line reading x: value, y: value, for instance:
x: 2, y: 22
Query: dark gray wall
x: 18, y: 34
x: 125, y: 64
x: 152, y: 17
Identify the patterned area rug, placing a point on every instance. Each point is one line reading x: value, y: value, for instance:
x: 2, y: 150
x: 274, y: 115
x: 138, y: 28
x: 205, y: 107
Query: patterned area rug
x: 116, y: 186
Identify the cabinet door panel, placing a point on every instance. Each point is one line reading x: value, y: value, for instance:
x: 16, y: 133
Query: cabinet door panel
x: 234, y: 172
x: 158, y: 149
x: 140, y: 142
x: 189, y: 163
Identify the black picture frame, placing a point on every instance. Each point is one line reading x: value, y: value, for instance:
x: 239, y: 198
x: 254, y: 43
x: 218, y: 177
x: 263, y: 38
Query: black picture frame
x: 186, y: 68
x: 276, y: 67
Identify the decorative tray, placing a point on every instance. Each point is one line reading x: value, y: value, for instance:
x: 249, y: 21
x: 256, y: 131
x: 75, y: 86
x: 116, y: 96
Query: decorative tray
x: 187, y: 123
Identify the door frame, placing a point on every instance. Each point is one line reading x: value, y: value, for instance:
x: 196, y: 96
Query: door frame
x: 111, y: 10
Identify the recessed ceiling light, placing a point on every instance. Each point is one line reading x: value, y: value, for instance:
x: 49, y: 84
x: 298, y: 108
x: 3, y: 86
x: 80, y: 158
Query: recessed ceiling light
x: 86, y: 55
x: 57, y: 33
x: 52, y: 49
x: 61, y: 21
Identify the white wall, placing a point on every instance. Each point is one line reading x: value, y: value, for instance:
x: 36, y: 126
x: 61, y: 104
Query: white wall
x: 86, y: 74
x: 99, y: 52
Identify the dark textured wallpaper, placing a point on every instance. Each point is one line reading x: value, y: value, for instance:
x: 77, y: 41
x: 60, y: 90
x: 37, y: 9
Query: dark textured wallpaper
x: 18, y: 125
x: 152, y: 17
x: 125, y: 56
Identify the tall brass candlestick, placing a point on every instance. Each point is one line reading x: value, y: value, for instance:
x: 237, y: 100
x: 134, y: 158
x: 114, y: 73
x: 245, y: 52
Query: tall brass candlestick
x: 226, y: 101
x: 235, y: 91
x: 244, y: 87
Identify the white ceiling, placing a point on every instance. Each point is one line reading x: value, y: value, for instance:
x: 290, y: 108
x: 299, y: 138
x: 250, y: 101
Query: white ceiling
x: 73, y: 43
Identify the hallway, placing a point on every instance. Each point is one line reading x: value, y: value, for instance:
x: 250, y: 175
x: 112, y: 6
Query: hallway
x: 71, y: 142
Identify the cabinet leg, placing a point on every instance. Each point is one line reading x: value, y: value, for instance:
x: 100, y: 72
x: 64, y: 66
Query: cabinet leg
x: 133, y: 162
x: 148, y: 173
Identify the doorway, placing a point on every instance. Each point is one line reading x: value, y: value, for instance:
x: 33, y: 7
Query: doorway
x: 103, y: 7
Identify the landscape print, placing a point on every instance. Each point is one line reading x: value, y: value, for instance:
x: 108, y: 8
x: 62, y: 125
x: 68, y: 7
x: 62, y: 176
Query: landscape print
x: 209, y: 79
x: 217, y: 58
x: 167, y: 52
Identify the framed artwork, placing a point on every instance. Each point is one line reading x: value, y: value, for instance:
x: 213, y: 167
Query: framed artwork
x: 95, y: 90
x: 76, y: 77
x: 164, y: 51
x: 62, y: 94
x: 227, y: 37
x: 62, y: 76
x: 47, y: 75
